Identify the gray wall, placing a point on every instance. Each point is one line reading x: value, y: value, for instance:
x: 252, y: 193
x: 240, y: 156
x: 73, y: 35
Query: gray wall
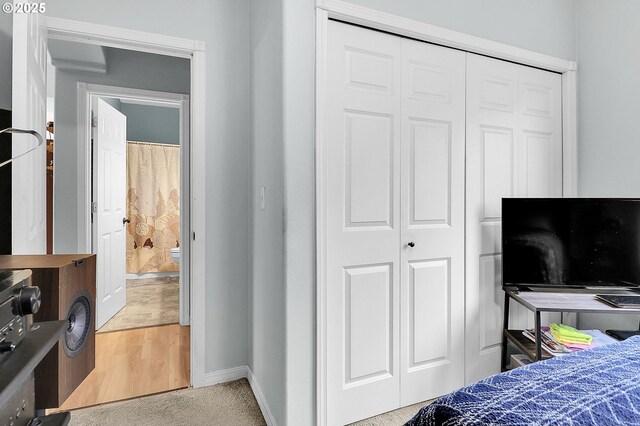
x: 6, y: 40
x: 546, y: 26
x: 222, y: 25
x: 267, y: 290
x: 125, y: 68
x: 608, y: 111
x: 148, y: 123
x: 114, y: 102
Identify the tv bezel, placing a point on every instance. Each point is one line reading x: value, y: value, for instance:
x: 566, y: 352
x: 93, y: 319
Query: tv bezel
x: 564, y: 287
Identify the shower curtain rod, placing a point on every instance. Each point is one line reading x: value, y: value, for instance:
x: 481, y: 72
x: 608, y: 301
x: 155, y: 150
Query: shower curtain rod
x: 154, y: 143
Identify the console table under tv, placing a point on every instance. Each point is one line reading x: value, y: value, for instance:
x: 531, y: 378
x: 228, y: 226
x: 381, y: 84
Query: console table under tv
x: 539, y: 301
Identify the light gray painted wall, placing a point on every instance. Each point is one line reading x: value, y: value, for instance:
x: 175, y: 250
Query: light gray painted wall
x: 546, y: 26
x: 6, y: 40
x: 148, y: 123
x: 609, y: 128
x: 267, y: 289
x: 222, y: 25
x: 114, y: 102
x: 125, y: 68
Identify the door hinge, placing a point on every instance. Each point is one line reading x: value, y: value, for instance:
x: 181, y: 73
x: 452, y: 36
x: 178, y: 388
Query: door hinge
x: 94, y: 207
x: 94, y: 120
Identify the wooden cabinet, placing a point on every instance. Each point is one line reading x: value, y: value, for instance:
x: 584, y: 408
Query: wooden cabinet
x: 68, y: 286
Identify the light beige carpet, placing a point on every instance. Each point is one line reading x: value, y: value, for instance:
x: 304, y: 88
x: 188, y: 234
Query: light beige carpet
x: 230, y: 403
x: 150, y: 301
x: 393, y: 418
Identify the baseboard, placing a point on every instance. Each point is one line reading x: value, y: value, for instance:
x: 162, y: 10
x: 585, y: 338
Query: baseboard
x: 223, y: 376
x: 262, y: 401
x: 242, y: 372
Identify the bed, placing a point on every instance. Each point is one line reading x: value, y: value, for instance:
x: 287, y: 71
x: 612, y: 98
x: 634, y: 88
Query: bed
x: 599, y: 386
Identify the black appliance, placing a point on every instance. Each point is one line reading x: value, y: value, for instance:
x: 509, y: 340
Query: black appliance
x: 22, y: 346
x: 570, y: 243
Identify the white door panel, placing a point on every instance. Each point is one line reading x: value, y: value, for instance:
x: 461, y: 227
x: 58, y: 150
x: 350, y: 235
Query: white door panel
x: 514, y: 149
x: 28, y: 181
x: 109, y: 244
x: 363, y: 223
x: 432, y: 208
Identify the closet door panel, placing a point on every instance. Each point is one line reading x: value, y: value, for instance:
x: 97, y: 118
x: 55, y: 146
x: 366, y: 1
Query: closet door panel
x: 514, y: 149
x: 492, y: 165
x: 540, y: 141
x: 540, y: 133
x: 362, y: 177
x: 432, y: 208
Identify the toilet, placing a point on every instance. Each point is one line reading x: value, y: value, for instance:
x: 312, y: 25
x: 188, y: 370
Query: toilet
x: 175, y: 254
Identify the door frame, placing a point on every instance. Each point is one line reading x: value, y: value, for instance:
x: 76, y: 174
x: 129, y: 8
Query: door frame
x: 87, y: 93
x: 195, y: 50
x: 381, y: 21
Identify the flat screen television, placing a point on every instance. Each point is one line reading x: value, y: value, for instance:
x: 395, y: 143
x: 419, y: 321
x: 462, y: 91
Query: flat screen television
x: 570, y: 242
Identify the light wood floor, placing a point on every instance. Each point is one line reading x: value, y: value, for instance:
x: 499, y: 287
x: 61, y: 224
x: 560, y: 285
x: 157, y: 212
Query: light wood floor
x: 132, y: 363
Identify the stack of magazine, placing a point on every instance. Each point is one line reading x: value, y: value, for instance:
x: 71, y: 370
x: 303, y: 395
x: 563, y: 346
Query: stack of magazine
x: 551, y: 346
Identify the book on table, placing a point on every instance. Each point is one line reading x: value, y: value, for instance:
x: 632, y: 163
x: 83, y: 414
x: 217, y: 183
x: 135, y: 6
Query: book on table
x: 621, y: 300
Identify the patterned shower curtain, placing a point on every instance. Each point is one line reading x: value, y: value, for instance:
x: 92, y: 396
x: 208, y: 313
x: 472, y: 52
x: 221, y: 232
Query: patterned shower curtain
x: 153, y: 205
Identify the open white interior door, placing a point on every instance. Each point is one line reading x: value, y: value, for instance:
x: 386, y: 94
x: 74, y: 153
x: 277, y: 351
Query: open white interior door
x: 109, y: 196
x: 28, y: 181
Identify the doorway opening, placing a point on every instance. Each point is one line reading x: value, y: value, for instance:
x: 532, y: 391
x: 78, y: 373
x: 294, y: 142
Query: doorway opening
x: 154, y: 202
x: 130, y: 173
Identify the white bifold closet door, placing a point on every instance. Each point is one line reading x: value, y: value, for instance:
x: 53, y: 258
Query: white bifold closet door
x: 394, y: 175
x: 514, y: 149
x: 432, y: 210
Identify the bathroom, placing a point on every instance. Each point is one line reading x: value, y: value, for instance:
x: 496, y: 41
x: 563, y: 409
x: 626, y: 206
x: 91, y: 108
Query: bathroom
x: 152, y: 215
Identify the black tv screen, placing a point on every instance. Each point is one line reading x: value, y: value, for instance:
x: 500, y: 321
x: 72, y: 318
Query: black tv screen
x: 570, y: 242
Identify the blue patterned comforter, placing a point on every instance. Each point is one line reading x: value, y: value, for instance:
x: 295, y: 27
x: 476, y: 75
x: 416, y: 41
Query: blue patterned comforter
x: 599, y: 386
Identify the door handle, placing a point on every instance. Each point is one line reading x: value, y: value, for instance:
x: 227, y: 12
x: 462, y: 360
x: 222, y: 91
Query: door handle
x: 411, y: 244
x: 126, y: 220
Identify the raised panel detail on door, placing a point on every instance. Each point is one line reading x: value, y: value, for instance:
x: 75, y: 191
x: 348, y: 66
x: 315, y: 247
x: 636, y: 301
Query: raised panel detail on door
x: 429, y: 82
x: 491, y: 302
x: 537, y: 100
x: 369, y: 70
x: 537, y: 147
x: 430, y: 172
x: 497, y: 93
x: 430, y: 312
x: 369, y: 170
x: 369, y: 329
x: 497, y: 169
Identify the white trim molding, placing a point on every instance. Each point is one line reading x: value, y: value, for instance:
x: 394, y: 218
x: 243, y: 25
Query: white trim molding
x: 374, y: 19
x: 381, y: 21
x: 122, y: 38
x: 322, y: 20
x: 84, y: 32
x: 262, y: 401
x: 228, y: 375
x: 243, y: 372
x: 569, y: 134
